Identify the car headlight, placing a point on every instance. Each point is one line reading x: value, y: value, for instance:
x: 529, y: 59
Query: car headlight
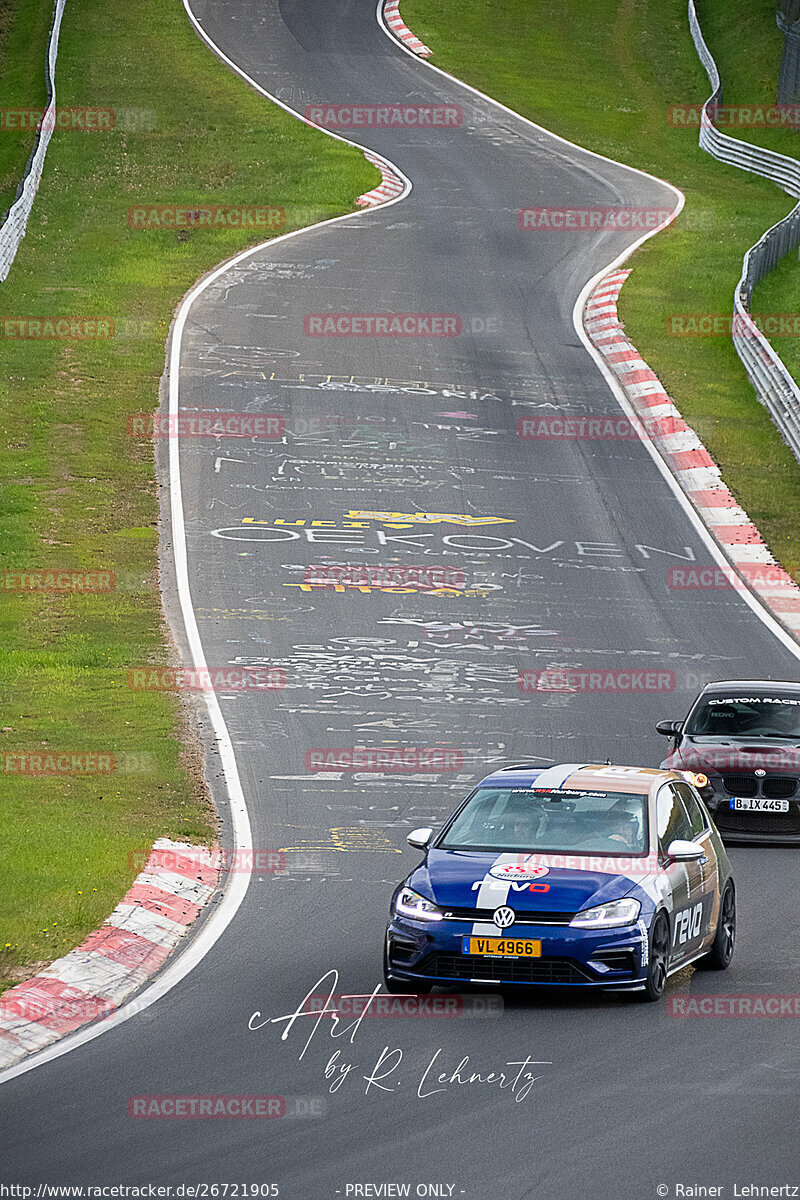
x: 607, y: 916
x: 411, y: 904
x: 696, y: 778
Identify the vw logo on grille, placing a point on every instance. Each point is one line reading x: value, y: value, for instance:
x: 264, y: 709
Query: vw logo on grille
x: 504, y: 916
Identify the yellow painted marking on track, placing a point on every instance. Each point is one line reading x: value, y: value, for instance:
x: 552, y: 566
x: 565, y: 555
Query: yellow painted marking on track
x: 347, y: 838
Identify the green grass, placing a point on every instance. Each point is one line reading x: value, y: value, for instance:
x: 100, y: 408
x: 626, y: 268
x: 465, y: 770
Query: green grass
x: 603, y: 73
x: 76, y: 490
x: 777, y: 293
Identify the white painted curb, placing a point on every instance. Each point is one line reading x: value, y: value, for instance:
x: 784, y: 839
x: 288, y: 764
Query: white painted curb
x: 751, y: 566
x: 92, y: 980
x: 391, y: 12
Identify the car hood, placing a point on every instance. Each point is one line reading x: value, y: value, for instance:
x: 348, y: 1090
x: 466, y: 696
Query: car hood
x: 561, y: 883
x: 723, y: 756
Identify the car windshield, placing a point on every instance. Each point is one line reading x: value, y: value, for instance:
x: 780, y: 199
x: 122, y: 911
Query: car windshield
x: 746, y: 717
x: 550, y: 820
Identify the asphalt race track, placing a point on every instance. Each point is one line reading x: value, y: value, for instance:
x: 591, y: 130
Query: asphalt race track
x: 570, y: 571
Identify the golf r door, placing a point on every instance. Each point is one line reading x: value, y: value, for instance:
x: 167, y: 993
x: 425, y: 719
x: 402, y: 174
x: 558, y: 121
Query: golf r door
x: 701, y: 834
x: 690, y: 908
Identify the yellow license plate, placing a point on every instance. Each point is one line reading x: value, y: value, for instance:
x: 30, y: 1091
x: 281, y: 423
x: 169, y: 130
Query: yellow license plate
x: 509, y: 947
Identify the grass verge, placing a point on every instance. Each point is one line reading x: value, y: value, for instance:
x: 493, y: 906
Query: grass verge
x: 76, y: 491
x: 604, y: 75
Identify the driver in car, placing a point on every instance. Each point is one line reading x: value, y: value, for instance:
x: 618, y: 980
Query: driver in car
x: 622, y: 828
x: 521, y: 824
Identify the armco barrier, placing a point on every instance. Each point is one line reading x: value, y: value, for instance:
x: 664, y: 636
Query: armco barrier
x: 789, y: 78
x: 774, y: 385
x: 13, y: 228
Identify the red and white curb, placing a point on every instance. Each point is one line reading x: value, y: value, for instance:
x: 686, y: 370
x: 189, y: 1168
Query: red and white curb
x: 94, y: 979
x: 391, y: 13
x: 691, y: 464
x: 391, y: 184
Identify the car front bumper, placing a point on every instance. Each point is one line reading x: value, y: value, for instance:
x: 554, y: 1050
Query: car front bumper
x: 780, y: 829
x: 432, y: 951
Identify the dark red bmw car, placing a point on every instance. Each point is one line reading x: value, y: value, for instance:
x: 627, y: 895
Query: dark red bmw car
x: 740, y: 744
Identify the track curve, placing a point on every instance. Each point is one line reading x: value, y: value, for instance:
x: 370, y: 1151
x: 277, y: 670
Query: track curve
x: 631, y: 1098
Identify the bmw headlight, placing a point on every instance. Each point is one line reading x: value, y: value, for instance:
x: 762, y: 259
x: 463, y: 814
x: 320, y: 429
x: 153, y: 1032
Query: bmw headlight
x: 697, y: 778
x: 410, y: 904
x: 608, y: 916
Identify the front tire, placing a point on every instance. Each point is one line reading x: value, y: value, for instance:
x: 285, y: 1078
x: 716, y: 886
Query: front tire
x: 658, y: 961
x: 721, y: 953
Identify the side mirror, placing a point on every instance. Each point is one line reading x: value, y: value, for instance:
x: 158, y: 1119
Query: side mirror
x: 669, y: 728
x: 419, y: 838
x: 681, y: 851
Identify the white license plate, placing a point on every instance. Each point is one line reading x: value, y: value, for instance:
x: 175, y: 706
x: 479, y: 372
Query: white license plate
x: 759, y: 804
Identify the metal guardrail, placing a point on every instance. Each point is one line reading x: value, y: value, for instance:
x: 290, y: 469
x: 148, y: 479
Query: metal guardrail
x: 788, y: 18
x: 774, y: 385
x: 13, y: 228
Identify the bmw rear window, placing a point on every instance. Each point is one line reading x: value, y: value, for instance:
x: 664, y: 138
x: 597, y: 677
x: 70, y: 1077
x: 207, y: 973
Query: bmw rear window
x: 557, y: 820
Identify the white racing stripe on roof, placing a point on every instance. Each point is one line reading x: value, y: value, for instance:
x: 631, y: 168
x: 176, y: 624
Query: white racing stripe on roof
x: 555, y: 777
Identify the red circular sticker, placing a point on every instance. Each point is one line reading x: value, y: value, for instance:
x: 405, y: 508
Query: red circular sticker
x: 514, y: 871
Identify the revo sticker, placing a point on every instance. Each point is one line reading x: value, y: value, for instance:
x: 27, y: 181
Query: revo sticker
x: 514, y: 887
x: 688, y: 923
